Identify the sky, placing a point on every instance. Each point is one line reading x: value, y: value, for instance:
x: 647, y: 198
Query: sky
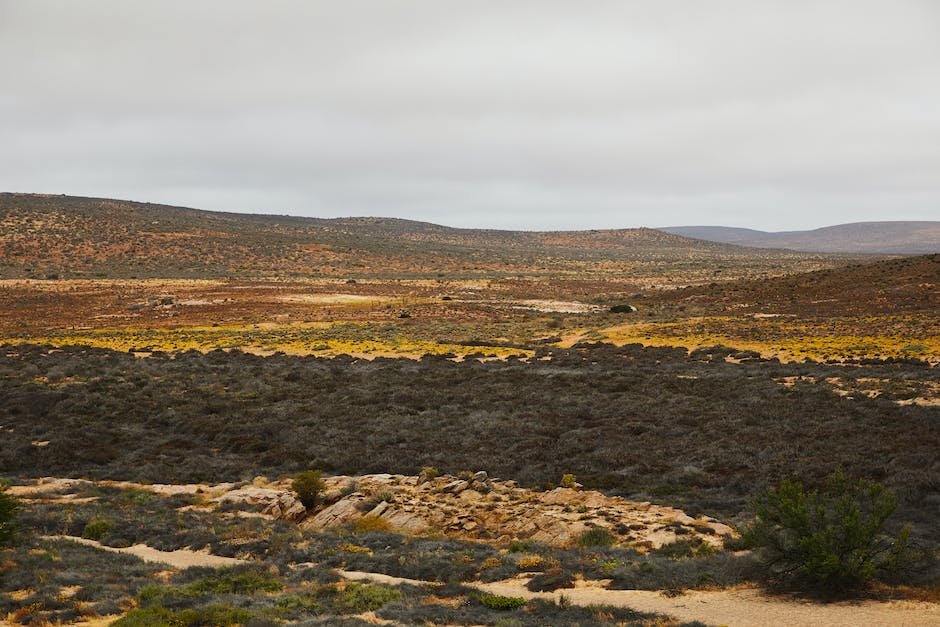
x: 526, y: 115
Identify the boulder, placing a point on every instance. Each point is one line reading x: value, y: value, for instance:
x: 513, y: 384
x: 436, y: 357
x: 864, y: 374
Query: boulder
x: 456, y: 487
x: 286, y: 507
x: 561, y: 496
x: 404, y: 521
x: 342, y: 512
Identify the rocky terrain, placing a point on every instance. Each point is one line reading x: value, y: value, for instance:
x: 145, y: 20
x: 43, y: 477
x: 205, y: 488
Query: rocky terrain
x: 477, y: 507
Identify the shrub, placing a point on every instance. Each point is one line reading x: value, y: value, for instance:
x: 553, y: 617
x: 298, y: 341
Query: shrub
x: 595, y: 536
x: 830, y: 541
x: 236, y: 580
x: 551, y: 580
x: 686, y: 548
x: 622, y: 309
x: 97, y: 528
x: 568, y: 481
x: 371, y: 523
x: 207, y: 615
x: 530, y: 562
x: 146, y: 617
x: 308, y: 485
x: 8, y: 507
x: 499, y: 602
x: 297, y: 605
x: 359, y: 597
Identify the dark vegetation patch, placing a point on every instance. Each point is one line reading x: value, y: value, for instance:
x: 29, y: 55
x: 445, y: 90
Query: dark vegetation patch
x: 65, y: 581
x: 647, y: 423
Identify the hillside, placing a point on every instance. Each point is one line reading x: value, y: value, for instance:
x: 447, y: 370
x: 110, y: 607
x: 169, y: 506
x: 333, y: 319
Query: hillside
x: 72, y: 237
x: 898, y: 238
x: 890, y: 286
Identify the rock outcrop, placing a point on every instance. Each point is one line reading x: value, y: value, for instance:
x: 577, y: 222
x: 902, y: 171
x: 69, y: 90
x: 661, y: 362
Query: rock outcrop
x: 481, y: 508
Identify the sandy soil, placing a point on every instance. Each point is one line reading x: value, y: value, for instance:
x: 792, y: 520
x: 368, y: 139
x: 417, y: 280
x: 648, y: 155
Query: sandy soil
x: 183, y: 558
x: 743, y: 607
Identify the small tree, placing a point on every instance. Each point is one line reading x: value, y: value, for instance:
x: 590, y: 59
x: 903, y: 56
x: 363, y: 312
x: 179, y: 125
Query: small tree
x: 8, y: 506
x: 308, y: 485
x: 830, y: 541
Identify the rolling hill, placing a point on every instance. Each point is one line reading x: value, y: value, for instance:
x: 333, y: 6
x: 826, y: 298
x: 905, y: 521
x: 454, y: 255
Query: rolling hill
x: 894, y: 238
x: 44, y: 236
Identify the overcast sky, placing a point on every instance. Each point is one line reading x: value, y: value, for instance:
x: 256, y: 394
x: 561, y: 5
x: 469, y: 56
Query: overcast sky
x: 535, y: 115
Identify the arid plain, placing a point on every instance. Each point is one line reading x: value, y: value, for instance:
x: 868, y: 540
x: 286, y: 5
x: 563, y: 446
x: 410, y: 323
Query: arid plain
x: 513, y: 428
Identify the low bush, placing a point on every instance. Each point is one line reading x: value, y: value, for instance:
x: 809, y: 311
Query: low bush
x: 500, y: 602
x: 216, y: 615
x: 297, y: 605
x: 829, y: 541
x: 595, y: 536
x: 308, y: 485
x: 551, y: 580
x: 357, y: 597
x: 236, y: 580
x: 8, y: 508
x: 622, y: 309
x: 371, y: 523
x: 97, y: 528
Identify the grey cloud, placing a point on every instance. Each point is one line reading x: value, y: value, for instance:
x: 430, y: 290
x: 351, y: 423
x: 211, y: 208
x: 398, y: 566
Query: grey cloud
x: 525, y: 115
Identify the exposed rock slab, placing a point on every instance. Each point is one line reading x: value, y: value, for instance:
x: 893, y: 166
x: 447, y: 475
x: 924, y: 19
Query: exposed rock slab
x: 478, y: 507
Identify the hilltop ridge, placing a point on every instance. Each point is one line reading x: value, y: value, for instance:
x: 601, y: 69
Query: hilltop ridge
x: 45, y: 236
x: 885, y: 237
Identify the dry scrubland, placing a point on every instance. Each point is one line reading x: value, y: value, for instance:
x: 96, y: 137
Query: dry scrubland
x: 165, y: 345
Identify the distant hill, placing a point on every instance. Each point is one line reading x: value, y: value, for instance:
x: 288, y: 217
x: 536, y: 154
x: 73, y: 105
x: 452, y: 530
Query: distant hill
x: 886, y: 286
x: 894, y: 238
x: 45, y: 236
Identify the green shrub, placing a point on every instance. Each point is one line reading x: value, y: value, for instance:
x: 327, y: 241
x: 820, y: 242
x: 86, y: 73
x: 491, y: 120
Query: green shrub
x: 97, y: 528
x: 147, y: 617
x: 216, y: 615
x: 520, y: 546
x: 297, y: 605
x: 9, y: 504
x: 830, y: 541
x: 359, y: 597
x: 499, y: 602
x: 595, y: 536
x: 237, y: 580
x: 622, y: 309
x: 568, y: 481
x: 308, y: 485
x: 686, y: 548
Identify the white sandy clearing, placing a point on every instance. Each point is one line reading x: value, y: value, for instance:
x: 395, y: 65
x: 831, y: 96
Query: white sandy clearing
x: 335, y: 299
x: 182, y: 558
x: 358, y: 575
x: 742, y: 607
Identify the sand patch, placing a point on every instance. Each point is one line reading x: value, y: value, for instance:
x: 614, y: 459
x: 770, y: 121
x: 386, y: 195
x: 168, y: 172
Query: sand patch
x: 333, y: 299
x: 746, y: 607
x: 181, y: 558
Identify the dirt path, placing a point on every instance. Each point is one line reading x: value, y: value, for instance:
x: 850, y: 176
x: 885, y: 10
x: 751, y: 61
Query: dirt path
x: 183, y: 558
x: 746, y: 607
